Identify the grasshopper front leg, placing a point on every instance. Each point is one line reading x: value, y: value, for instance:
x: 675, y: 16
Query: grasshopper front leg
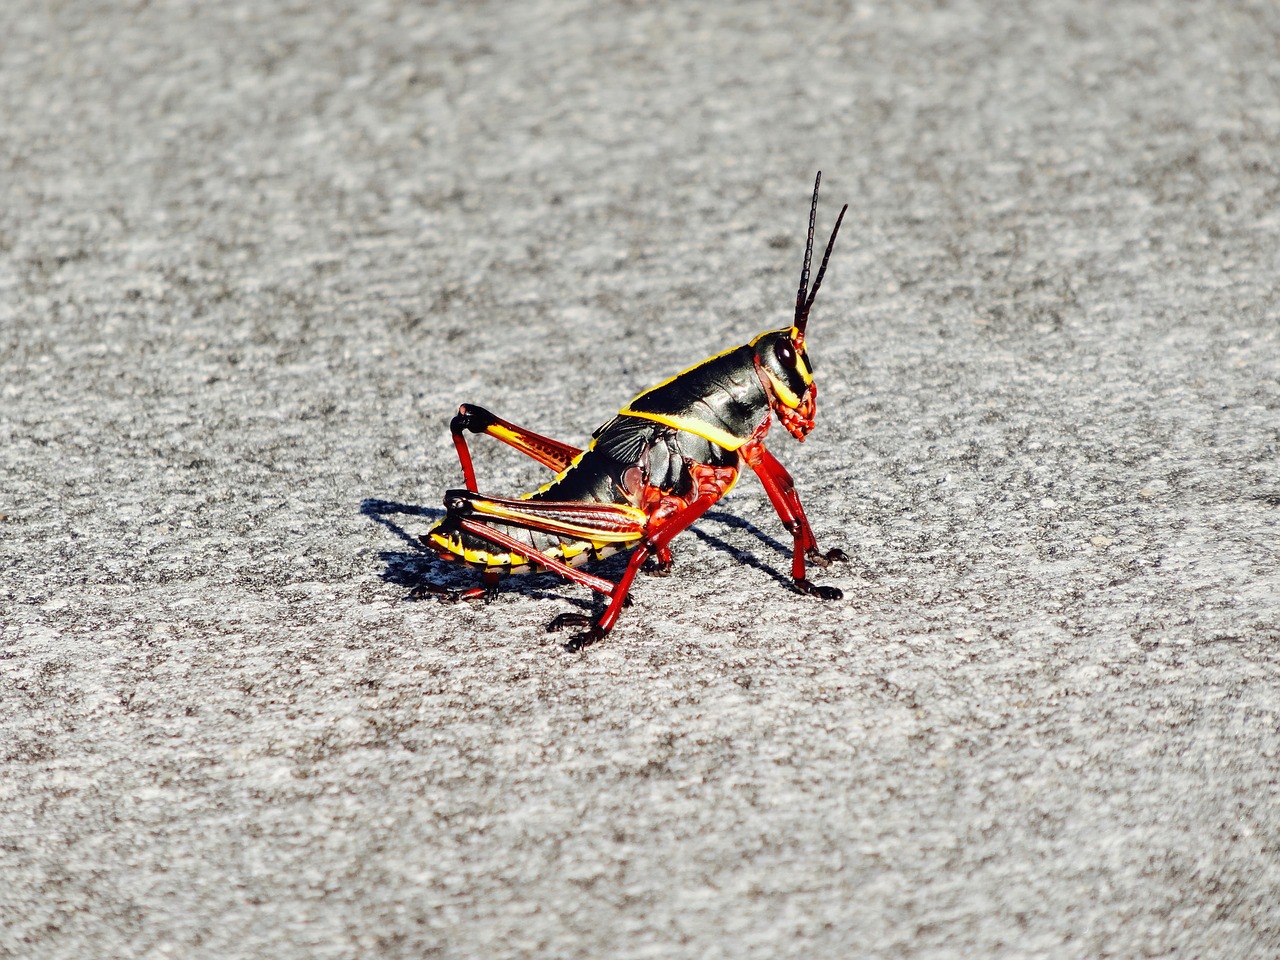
x: 786, y: 501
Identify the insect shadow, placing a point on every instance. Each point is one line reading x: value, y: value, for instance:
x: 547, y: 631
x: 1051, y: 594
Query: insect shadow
x: 417, y: 565
x: 743, y: 556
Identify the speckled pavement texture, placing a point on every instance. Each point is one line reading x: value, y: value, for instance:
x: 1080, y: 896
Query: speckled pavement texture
x: 252, y: 256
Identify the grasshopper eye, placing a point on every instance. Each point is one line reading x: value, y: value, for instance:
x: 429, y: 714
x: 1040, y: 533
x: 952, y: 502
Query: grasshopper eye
x: 785, y: 353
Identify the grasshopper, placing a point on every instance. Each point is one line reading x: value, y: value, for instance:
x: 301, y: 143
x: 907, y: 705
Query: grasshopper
x: 647, y: 474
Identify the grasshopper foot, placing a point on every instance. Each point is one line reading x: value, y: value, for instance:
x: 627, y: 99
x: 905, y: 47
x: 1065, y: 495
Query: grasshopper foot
x: 820, y: 559
x: 657, y: 568
x: 821, y: 591
x: 659, y: 565
x: 578, y: 640
x: 569, y: 620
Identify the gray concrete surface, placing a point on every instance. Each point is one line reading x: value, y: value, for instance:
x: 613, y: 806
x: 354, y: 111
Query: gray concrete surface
x: 251, y: 257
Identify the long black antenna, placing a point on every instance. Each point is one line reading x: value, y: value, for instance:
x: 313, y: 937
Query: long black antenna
x: 803, y: 292
x: 805, y: 296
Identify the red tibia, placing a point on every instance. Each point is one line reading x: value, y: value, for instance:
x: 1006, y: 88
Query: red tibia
x: 782, y: 494
x: 669, y: 517
x: 486, y: 532
x: 550, y: 453
x: 464, y: 457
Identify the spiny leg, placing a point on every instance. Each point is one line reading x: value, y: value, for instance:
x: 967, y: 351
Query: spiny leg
x: 782, y: 494
x: 667, y: 520
x: 465, y: 509
x: 550, y: 453
x: 563, y: 620
x: 608, y: 521
x: 599, y: 629
x: 551, y: 564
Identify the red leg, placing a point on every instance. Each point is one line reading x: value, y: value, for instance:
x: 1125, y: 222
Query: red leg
x: 617, y: 593
x: 670, y: 516
x: 550, y: 453
x: 610, y: 522
x: 599, y: 523
x: 481, y: 529
x: 782, y: 494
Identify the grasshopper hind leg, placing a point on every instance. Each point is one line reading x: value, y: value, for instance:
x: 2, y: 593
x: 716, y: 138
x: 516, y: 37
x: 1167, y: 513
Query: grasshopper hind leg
x: 595, y: 631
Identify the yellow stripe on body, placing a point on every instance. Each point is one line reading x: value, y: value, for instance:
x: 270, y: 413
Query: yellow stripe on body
x: 573, y: 553
x: 479, y: 558
x: 721, y: 438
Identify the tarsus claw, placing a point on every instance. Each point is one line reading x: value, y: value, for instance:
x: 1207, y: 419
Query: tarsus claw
x: 820, y: 559
x: 821, y: 591
x: 568, y: 620
x: 578, y: 640
x: 656, y: 568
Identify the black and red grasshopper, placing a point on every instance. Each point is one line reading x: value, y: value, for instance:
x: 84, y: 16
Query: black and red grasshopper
x: 647, y: 474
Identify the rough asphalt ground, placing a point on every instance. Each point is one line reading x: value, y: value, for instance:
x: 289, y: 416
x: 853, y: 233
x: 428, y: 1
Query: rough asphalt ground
x: 253, y: 255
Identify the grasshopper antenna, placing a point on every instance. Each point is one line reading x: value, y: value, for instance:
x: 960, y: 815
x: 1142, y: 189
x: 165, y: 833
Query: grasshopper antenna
x: 805, y: 296
x: 803, y: 292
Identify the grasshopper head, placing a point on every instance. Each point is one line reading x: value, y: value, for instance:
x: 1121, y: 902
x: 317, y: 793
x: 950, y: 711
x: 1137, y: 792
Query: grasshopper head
x: 787, y: 377
x: 780, y: 357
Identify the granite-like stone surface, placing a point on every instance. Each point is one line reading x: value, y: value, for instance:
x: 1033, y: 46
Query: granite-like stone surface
x: 253, y: 255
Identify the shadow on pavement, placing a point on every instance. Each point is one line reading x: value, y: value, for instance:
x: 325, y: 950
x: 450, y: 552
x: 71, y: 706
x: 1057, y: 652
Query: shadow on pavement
x: 417, y: 566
